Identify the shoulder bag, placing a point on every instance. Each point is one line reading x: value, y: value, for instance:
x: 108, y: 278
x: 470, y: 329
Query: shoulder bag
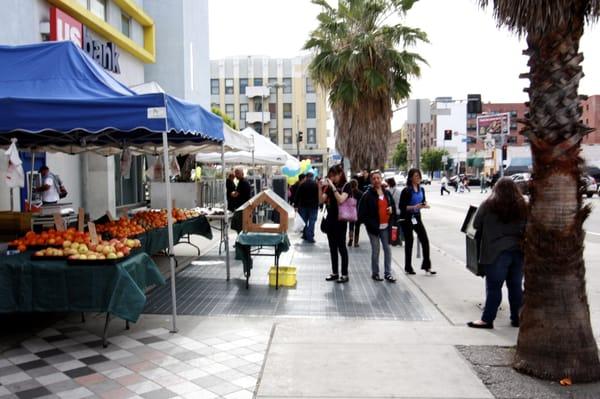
x: 347, y: 210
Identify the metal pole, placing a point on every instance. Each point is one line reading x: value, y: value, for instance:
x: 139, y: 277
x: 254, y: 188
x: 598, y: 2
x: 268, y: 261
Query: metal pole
x: 30, y: 191
x: 170, y: 231
x: 225, y: 225
x: 502, y: 144
x: 418, y: 155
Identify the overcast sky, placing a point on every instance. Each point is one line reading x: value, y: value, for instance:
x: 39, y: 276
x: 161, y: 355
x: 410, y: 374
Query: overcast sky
x: 467, y: 53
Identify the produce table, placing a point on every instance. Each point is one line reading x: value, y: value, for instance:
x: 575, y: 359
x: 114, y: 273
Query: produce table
x: 157, y: 240
x: 54, y: 286
x: 251, y: 244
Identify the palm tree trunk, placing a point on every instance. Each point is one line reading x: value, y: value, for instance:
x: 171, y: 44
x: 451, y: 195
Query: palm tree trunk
x: 555, y: 339
x: 363, y: 132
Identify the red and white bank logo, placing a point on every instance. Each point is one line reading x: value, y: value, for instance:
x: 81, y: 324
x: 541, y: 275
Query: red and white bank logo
x: 65, y: 27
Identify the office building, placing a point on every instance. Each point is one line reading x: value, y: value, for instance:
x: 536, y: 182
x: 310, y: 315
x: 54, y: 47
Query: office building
x: 276, y: 98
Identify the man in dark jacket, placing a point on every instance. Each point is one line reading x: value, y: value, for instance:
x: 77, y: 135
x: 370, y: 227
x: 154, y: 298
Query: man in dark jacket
x: 294, y: 189
x: 243, y: 191
x: 230, y: 187
x: 307, y: 205
x: 377, y: 212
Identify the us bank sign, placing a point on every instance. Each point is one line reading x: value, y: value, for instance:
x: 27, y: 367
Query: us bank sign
x: 65, y: 27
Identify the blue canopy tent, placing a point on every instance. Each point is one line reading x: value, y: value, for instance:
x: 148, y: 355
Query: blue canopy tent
x: 53, y: 97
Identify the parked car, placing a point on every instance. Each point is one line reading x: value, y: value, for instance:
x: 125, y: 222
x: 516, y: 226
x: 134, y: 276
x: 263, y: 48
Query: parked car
x: 591, y: 186
x: 425, y: 179
x: 522, y: 182
x: 400, y: 179
x: 472, y: 180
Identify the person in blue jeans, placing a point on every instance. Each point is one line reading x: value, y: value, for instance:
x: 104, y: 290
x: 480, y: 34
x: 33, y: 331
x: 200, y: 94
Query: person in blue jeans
x: 500, y: 221
x: 307, y: 204
x: 377, y: 211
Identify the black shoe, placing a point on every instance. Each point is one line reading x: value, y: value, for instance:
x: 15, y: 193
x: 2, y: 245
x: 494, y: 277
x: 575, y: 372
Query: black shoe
x: 409, y: 271
x: 349, y: 243
x: 332, y: 277
x: 312, y: 241
x: 376, y: 277
x: 514, y: 323
x: 483, y: 326
x: 389, y: 278
x: 343, y: 279
x: 430, y: 272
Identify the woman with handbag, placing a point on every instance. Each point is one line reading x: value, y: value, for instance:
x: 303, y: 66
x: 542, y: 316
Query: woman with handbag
x: 501, y: 220
x: 377, y: 211
x: 334, y: 193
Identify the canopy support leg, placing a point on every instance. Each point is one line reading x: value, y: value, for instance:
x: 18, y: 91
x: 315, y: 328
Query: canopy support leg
x: 225, y: 230
x: 30, y: 191
x: 170, y: 231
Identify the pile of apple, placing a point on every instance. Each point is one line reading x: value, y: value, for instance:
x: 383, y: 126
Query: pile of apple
x: 157, y: 218
x: 121, y: 228
x: 50, y: 252
x: 51, y: 238
x: 113, y: 249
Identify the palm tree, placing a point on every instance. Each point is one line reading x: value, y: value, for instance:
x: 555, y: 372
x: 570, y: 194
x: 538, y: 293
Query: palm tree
x: 364, y: 64
x: 555, y: 339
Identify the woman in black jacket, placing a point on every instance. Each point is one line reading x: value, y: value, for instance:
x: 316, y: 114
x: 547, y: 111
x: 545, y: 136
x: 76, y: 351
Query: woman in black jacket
x: 501, y: 220
x: 377, y: 211
x: 412, y: 200
x: 354, y: 230
x: 333, y: 191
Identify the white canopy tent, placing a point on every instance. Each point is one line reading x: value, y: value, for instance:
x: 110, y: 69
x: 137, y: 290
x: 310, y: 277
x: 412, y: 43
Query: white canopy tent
x: 262, y: 151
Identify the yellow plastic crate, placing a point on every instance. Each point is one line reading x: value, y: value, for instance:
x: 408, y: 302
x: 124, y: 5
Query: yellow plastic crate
x: 287, y: 276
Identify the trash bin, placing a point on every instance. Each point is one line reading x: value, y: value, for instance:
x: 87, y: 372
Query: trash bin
x: 472, y: 243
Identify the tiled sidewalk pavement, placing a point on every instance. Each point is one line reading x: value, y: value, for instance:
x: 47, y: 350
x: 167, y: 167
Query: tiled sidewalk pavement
x: 70, y: 363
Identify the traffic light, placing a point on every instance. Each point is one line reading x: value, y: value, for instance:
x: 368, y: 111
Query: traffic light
x: 447, y: 135
x: 299, y: 137
x: 474, y: 103
x: 504, y: 152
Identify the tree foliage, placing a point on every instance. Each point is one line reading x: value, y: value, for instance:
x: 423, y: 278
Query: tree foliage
x: 226, y: 119
x: 399, y: 159
x: 431, y: 159
x: 365, y: 64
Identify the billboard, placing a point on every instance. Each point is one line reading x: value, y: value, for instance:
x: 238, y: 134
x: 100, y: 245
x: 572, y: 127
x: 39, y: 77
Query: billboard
x: 493, y: 124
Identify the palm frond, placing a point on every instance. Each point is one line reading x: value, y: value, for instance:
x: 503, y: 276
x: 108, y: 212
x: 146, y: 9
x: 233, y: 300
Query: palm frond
x: 535, y: 16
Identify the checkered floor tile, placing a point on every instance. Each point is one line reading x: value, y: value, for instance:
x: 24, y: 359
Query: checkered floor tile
x: 70, y: 363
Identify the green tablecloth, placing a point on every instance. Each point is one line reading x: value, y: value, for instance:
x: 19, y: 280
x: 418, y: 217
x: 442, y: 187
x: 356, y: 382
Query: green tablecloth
x: 245, y: 241
x: 54, y: 286
x: 157, y: 240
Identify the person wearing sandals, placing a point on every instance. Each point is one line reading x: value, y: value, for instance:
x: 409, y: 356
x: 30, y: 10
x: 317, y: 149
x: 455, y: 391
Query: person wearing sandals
x: 333, y: 192
x: 412, y: 200
x: 377, y: 211
x: 501, y: 221
x: 353, y: 234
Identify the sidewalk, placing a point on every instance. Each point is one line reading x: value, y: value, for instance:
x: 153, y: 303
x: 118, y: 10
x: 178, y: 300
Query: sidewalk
x: 363, y: 339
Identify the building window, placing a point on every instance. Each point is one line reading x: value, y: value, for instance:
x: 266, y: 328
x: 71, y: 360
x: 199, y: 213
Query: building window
x: 214, y: 105
x: 228, y: 86
x: 273, y: 112
x: 311, y: 110
x: 287, y: 85
x: 471, y: 126
x: 98, y: 7
x: 287, y: 110
x: 513, y: 114
x: 273, y: 136
x: 243, y: 110
x: 230, y: 111
x: 587, y: 107
x: 243, y: 85
x: 287, y: 136
x: 258, y: 82
x: 471, y: 116
x: 272, y: 83
x: 311, y: 135
x: 129, y: 191
x: 310, y: 88
x: 258, y: 104
x: 214, y: 86
x: 126, y: 25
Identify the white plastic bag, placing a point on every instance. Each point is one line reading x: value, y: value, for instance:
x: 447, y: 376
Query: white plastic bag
x: 15, y: 176
x: 126, y: 159
x: 174, y: 166
x: 298, y: 224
